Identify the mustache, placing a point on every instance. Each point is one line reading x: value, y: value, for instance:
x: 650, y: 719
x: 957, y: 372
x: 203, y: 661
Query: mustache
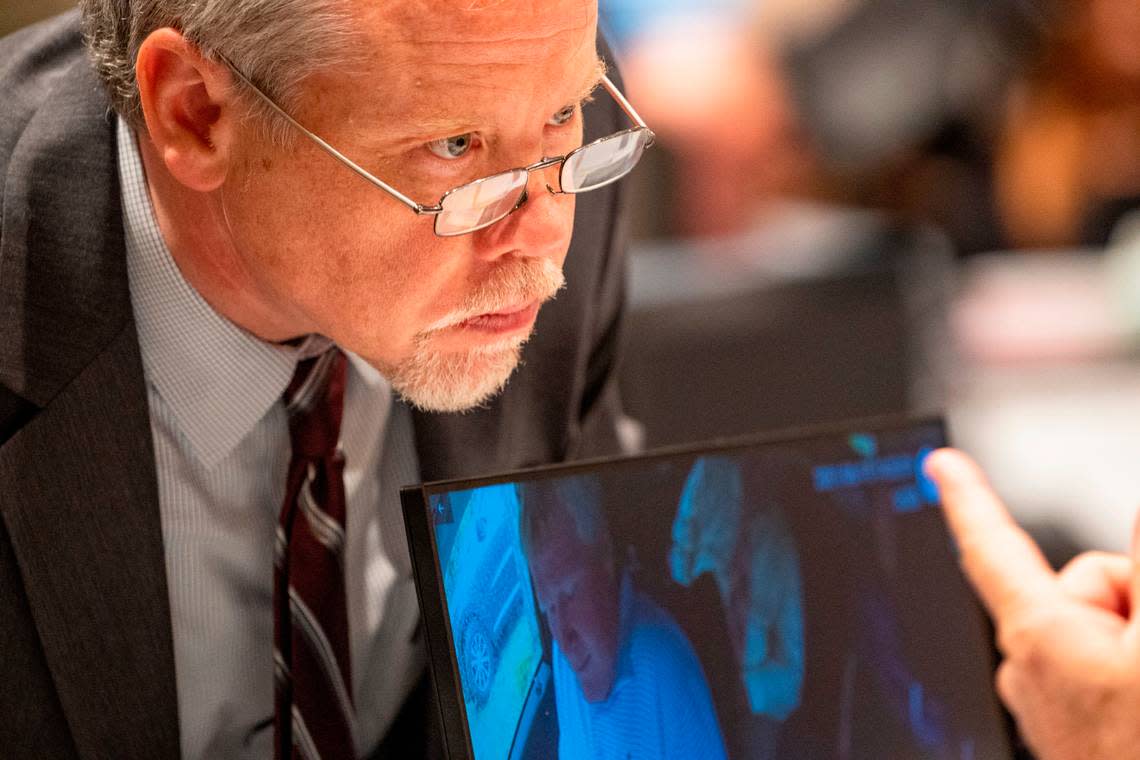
x: 513, y: 285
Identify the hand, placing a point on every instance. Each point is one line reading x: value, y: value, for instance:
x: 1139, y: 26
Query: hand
x: 1071, y: 640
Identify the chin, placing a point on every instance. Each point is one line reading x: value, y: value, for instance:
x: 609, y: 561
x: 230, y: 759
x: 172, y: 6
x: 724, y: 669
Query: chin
x: 596, y: 689
x: 455, y: 381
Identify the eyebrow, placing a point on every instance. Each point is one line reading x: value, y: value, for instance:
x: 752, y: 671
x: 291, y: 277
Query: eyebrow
x: 447, y: 126
x: 595, y: 81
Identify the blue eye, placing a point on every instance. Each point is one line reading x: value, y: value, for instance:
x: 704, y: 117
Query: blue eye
x: 563, y: 117
x: 452, y: 147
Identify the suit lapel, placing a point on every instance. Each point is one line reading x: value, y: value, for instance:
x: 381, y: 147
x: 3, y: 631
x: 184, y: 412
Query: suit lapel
x: 81, y: 512
x: 78, y: 489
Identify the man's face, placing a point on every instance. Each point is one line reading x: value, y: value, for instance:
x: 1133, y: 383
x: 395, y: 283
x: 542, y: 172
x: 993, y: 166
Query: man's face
x: 706, y: 526
x: 447, y: 93
x: 578, y: 594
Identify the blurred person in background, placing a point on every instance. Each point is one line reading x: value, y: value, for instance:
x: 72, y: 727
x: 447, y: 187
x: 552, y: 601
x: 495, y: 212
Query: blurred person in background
x: 1011, y: 124
x: 711, y: 81
x: 1067, y: 164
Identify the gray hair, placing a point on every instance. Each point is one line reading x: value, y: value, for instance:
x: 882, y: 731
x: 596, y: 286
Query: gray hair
x: 577, y: 497
x: 276, y: 43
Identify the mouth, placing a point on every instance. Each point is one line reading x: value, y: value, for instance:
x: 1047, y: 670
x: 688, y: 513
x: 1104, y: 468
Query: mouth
x: 580, y: 665
x: 513, y: 319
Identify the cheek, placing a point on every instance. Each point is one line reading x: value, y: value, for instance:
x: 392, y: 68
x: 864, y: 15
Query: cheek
x: 595, y: 613
x: 572, y: 138
x: 364, y: 270
x: 391, y: 281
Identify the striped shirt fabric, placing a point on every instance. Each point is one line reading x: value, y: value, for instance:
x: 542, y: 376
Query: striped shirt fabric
x: 222, y: 449
x: 659, y: 707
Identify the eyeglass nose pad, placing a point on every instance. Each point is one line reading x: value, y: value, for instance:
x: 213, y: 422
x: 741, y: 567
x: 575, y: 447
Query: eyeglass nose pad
x: 522, y: 200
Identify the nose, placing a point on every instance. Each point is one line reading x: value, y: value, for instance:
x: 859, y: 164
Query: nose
x: 564, y: 634
x: 540, y: 227
x: 547, y: 171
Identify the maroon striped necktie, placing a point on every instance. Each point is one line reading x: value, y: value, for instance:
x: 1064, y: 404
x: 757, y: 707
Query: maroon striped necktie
x: 313, y: 713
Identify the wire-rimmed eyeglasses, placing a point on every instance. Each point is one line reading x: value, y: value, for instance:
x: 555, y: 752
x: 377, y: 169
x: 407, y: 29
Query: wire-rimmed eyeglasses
x: 479, y: 204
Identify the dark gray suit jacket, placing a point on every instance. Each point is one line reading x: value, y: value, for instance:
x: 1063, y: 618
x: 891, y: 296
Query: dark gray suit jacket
x: 86, y: 663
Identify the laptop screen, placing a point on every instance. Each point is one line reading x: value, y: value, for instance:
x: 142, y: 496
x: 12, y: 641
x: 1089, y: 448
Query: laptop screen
x: 795, y: 598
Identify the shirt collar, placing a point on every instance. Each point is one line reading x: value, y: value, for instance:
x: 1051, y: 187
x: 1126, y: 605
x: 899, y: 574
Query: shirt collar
x: 217, y: 379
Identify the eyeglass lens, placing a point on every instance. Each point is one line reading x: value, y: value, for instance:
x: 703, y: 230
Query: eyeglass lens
x: 481, y: 203
x: 603, y: 162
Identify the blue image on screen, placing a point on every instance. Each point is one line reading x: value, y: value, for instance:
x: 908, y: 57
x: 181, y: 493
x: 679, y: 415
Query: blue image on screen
x: 494, y: 624
x: 798, y: 603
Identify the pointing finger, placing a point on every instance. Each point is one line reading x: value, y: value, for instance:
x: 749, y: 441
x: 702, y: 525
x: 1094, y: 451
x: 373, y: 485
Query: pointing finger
x: 999, y: 558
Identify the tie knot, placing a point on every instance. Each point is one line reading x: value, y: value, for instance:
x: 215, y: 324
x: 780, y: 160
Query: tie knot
x: 314, y: 402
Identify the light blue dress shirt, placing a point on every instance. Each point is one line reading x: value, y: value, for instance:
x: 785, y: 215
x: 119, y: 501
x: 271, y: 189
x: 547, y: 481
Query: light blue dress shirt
x: 222, y: 449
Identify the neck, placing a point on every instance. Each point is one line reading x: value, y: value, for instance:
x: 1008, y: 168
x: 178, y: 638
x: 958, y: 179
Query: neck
x: 198, y: 235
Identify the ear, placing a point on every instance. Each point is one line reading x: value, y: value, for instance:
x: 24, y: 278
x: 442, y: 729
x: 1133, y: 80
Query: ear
x: 189, y: 107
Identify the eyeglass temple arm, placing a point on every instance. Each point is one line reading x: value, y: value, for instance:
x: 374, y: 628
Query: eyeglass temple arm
x: 626, y: 106
x: 419, y: 208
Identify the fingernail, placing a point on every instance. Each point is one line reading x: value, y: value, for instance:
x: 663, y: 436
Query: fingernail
x: 931, y: 464
x: 946, y: 464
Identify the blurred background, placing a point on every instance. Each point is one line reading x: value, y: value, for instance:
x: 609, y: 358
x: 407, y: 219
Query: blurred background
x: 864, y: 207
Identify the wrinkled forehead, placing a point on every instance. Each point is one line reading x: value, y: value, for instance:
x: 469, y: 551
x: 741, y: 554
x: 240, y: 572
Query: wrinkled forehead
x: 558, y: 550
x: 426, y: 70
x: 427, y: 21
x: 519, y: 46
x: 560, y: 565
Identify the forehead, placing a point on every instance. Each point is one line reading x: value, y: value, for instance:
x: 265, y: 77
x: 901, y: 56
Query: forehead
x: 458, y: 52
x: 562, y: 558
x: 430, y: 22
x: 556, y: 568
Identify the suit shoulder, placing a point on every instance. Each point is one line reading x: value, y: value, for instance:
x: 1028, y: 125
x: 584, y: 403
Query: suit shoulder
x: 655, y: 634
x: 32, y: 60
